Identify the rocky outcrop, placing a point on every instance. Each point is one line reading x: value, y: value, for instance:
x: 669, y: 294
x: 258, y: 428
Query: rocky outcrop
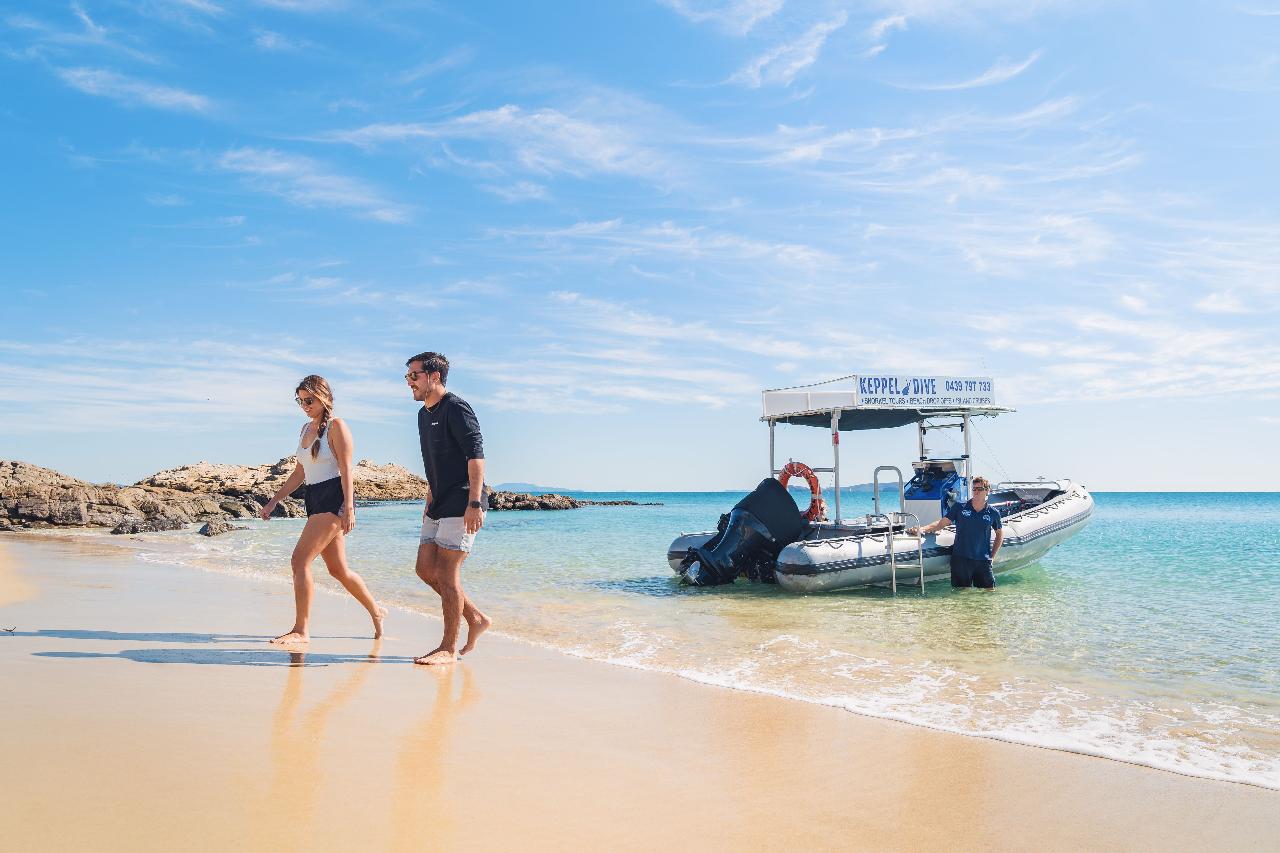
x: 523, y: 500
x: 371, y: 482
x: 31, y: 496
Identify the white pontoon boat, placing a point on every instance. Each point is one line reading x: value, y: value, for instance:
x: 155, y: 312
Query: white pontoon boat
x: 761, y: 539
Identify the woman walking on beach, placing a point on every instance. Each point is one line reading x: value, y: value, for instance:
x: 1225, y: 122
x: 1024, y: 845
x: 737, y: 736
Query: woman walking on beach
x: 324, y: 463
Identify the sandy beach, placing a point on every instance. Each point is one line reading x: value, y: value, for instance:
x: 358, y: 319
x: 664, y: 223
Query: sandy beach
x: 144, y: 710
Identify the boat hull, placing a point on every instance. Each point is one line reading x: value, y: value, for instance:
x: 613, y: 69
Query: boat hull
x: 827, y: 561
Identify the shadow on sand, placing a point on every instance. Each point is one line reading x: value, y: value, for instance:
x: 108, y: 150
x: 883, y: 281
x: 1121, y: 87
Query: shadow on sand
x: 231, y: 657
x: 129, y: 637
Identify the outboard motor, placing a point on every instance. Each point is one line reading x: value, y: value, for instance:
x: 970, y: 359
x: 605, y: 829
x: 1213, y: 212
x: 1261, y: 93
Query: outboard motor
x: 757, y: 528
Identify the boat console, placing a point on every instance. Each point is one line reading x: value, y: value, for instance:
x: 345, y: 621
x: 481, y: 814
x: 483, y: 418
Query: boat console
x: 934, y: 488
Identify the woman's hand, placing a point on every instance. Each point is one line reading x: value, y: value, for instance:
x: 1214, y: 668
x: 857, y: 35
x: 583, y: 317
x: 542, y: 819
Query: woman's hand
x: 269, y: 508
x: 348, y: 519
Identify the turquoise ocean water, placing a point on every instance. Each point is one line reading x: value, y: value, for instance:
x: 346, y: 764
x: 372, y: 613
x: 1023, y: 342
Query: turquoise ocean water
x: 1151, y: 637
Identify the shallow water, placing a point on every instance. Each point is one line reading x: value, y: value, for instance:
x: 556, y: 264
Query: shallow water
x: 1151, y: 637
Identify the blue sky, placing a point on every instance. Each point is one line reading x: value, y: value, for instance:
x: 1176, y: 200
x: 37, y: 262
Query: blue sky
x: 622, y: 220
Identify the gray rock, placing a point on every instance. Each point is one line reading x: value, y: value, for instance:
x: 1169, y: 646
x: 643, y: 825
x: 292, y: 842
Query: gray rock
x: 523, y: 500
x: 216, y: 528
x: 148, y: 525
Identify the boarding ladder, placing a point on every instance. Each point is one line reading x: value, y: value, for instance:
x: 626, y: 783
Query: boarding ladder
x: 893, y: 518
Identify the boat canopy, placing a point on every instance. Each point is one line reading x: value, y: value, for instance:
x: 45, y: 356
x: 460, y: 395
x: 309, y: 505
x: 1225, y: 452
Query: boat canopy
x: 881, y: 401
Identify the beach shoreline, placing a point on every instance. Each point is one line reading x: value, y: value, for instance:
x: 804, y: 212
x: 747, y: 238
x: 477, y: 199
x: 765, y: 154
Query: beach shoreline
x: 157, y: 734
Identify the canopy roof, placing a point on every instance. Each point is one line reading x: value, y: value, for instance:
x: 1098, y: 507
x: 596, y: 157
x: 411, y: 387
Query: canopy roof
x: 881, y: 401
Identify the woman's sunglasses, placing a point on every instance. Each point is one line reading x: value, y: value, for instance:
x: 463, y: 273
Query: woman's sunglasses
x: 305, y: 401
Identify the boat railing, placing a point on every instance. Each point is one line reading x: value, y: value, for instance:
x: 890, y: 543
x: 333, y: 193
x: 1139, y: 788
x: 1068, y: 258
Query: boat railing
x: 875, y: 487
x: 900, y: 518
x: 1036, y: 484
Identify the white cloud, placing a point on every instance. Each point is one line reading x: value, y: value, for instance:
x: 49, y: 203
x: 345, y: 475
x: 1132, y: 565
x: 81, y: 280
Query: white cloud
x: 783, y: 63
x: 878, y: 32
x: 306, y: 183
x: 544, y: 141
x: 1224, y: 302
x: 736, y: 16
x: 1134, y: 303
x: 277, y: 42
x: 453, y: 59
x: 1001, y: 72
x: 166, y: 200
x: 517, y: 192
x: 132, y: 92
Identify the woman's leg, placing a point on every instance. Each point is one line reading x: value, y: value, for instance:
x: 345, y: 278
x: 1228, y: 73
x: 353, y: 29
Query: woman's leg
x: 318, y: 533
x: 335, y: 557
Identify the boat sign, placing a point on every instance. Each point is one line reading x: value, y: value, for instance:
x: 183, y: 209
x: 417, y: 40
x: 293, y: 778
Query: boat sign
x: 928, y: 391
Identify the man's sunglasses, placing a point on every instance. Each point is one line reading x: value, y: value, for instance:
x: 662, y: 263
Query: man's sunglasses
x: 413, y: 375
x: 981, y: 489
x: 304, y: 401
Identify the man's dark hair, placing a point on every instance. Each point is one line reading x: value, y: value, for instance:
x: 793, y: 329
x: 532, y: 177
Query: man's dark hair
x: 432, y: 362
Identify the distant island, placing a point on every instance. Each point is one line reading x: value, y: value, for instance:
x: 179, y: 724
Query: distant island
x: 531, y: 488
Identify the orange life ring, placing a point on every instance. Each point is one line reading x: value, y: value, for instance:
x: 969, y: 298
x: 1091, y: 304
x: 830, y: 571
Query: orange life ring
x: 799, y: 469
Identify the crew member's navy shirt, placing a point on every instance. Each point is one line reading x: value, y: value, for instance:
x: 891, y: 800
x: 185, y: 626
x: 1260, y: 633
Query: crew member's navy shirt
x: 973, y: 530
x: 450, y: 435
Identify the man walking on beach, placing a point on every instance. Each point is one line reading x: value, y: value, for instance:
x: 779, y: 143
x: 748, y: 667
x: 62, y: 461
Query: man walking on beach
x: 973, y: 553
x: 453, y: 455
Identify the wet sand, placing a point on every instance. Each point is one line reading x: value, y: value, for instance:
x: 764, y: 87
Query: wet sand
x: 143, y: 710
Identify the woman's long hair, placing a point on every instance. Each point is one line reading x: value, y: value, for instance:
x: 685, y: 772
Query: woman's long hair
x: 317, y: 387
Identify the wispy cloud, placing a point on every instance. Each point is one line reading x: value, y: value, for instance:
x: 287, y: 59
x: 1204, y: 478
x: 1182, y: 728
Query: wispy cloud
x: 53, y: 39
x: 455, y: 58
x: 166, y: 200
x: 307, y: 183
x: 615, y: 240
x: 132, y: 92
x: 879, y: 30
x: 543, y: 141
x: 781, y: 64
x: 1224, y: 302
x: 1001, y: 72
x: 735, y: 16
x: 161, y: 384
x: 270, y: 40
x: 517, y: 192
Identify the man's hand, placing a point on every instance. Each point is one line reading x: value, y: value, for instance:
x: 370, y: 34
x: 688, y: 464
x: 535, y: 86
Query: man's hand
x: 472, y: 520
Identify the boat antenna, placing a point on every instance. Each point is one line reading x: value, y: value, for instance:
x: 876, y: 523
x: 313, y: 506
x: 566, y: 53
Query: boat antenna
x: 994, y: 458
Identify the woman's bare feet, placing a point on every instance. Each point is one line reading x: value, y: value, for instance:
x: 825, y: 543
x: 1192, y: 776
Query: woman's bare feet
x: 475, y: 628
x: 377, y: 622
x: 292, y: 638
x: 437, y: 658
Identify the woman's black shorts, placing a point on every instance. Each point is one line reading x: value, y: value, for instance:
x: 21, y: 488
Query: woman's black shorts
x: 324, y: 497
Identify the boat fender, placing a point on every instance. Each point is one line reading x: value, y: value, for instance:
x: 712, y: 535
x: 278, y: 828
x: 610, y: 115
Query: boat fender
x: 799, y: 469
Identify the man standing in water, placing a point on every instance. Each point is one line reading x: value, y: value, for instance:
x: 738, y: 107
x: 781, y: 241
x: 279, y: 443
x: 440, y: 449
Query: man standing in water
x: 973, y: 554
x: 453, y: 455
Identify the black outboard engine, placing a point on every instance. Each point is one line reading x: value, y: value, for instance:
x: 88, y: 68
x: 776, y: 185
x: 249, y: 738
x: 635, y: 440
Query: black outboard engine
x: 757, y: 528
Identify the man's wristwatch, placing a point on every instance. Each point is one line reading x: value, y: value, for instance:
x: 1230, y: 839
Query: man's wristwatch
x: 474, y: 504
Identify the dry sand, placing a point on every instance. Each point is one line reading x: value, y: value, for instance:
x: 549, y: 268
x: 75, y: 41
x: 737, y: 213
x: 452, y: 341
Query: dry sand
x: 142, y: 710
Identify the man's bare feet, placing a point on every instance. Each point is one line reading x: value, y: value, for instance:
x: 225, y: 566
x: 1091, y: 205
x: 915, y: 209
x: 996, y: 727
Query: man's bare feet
x: 437, y: 658
x: 292, y: 638
x: 377, y: 622
x: 474, y: 630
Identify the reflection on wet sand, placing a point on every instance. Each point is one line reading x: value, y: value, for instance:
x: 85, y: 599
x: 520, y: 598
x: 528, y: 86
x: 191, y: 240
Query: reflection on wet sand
x: 296, y: 740
x: 422, y: 804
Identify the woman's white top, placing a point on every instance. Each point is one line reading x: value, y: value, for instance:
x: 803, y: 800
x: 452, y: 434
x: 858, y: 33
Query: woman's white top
x: 325, y: 465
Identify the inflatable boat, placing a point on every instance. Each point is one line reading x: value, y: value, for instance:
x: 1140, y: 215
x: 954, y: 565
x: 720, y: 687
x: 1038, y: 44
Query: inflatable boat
x: 767, y: 538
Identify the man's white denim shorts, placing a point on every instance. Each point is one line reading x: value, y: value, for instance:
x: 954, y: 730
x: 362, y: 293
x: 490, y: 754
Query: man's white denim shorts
x: 447, y: 533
